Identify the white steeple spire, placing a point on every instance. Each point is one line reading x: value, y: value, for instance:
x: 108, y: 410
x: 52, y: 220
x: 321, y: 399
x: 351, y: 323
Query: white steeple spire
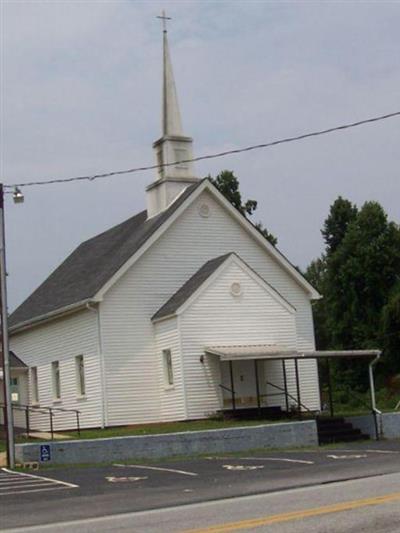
x: 171, y: 117
x: 173, y: 146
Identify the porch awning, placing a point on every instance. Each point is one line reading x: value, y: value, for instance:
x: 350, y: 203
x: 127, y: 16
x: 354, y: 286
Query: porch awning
x: 274, y: 351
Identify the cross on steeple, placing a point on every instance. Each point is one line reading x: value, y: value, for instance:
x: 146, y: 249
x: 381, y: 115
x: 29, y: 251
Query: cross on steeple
x: 164, y: 19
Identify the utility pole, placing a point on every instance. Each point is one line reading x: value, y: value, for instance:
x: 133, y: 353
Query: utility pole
x: 8, y: 414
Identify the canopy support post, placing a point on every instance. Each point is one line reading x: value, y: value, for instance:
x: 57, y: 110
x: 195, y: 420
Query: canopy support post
x: 285, y: 385
x: 257, y: 387
x: 328, y: 369
x: 296, y: 367
x: 232, y: 386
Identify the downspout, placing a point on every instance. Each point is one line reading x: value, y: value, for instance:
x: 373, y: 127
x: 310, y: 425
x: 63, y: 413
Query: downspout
x: 375, y: 411
x: 183, y: 369
x: 104, y: 420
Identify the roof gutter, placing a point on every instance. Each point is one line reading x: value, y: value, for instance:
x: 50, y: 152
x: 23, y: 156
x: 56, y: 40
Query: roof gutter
x: 68, y: 309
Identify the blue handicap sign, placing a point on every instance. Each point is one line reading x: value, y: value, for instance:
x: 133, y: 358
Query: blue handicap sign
x: 45, y: 453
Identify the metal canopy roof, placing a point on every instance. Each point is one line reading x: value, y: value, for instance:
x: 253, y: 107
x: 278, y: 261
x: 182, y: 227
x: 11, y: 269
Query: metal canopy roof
x: 274, y: 351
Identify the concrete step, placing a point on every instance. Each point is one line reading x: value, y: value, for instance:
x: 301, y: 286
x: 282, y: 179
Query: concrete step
x: 335, y: 429
x: 344, y: 428
x: 342, y: 438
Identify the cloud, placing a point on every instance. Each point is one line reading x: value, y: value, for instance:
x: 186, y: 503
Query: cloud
x: 81, y: 94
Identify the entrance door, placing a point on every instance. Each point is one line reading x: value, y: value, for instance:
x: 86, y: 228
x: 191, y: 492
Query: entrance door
x: 244, y: 379
x: 14, y: 388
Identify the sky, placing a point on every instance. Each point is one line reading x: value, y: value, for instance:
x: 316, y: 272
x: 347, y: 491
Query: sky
x: 81, y: 94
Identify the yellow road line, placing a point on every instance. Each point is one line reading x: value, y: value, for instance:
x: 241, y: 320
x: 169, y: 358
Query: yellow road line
x: 297, y: 515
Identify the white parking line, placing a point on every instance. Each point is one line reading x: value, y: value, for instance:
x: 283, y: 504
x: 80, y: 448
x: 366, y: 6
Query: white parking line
x: 183, y: 472
x: 65, y: 483
x: 28, y: 491
x: 23, y: 483
x: 282, y: 459
x: 20, y: 483
x: 367, y: 451
x: 352, y: 456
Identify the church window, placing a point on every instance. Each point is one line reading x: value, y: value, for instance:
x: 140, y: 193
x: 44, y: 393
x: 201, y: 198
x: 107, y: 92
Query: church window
x: 168, y: 371
x: 56, y: 382
x: 80, y: 375
x: 34, y: 385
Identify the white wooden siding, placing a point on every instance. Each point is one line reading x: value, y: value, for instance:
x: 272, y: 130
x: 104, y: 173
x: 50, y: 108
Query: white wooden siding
x: 172, y: 398
x: 218, y: 317
x: 131, y: 360
x: 19, y: 418
x: 61, y: 340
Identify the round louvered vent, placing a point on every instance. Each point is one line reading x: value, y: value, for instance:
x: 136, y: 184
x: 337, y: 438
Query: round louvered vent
x: 236, y: 289
x: 204, y: 210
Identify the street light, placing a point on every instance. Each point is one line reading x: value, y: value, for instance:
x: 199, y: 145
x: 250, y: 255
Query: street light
x: 18, y: 196
x: 8, y: 414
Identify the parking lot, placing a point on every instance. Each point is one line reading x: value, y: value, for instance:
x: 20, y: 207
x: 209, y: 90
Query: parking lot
x: 138, y: 486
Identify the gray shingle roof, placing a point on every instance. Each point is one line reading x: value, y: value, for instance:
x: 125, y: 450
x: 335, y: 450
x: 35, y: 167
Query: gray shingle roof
x: 15, y: 361
x: 92, y: 264
x: 188, y: 288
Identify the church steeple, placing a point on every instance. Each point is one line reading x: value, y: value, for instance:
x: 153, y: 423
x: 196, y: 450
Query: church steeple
x: 171, y: 117
x: 172, y: 147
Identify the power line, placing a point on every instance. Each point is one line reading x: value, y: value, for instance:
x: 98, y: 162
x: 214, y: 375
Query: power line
x: 204, y: 157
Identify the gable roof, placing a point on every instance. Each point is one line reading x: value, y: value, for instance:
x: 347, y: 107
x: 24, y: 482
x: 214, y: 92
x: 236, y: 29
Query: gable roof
x: 15, y: 361
x: 98, y: 263
x: 92, y: 264
x: 189, y: 288
x: 194, y: 283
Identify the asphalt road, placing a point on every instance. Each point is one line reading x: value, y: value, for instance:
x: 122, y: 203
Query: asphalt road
x: 283, y: 491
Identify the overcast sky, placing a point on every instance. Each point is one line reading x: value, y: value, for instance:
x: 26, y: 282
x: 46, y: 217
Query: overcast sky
x: 81, y: 93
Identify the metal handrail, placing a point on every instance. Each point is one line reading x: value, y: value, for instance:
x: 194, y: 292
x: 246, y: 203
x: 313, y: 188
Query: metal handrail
x: 271, y: 394
x: 32, y: 407
x: 44, y: 409
x: 290, y: 396
x: 358, y: 398
x: 375, y: 412
x: 227, y: 388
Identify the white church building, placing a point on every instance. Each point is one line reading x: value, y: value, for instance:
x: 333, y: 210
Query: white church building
x: 177, y: 313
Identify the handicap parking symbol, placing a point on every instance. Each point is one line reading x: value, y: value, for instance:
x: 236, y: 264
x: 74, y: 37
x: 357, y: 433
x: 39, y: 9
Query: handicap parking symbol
x: 45, y: 453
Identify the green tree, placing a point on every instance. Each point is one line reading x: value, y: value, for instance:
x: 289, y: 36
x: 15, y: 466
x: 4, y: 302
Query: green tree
x: 391, y: 333
x: 342, y: 212
x: 228, y: 184
x: 316, y: 275
x: 361, y: 272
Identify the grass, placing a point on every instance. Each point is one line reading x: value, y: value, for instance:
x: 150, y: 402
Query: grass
x: 352, y: 403
x: 166, y: 427
x: 18, y: 440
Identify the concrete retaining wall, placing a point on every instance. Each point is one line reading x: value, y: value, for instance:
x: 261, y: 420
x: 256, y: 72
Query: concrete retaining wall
x: 282, y: 435
x: 389, y: 424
